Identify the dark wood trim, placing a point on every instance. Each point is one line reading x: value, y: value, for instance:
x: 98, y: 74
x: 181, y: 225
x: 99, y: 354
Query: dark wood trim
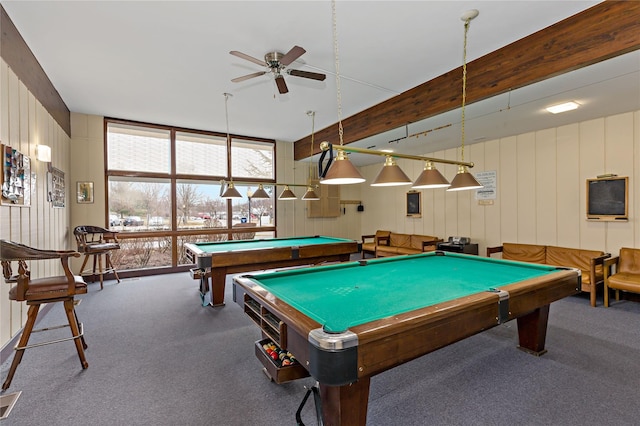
x: 18, y: 56
x: 609, y: 29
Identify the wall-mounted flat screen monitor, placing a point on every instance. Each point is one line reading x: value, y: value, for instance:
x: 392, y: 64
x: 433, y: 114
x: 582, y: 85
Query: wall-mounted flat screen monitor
x: 608, y: 198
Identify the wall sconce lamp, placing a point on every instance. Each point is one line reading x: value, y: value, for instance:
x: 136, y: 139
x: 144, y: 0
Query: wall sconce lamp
x: 43, y: 153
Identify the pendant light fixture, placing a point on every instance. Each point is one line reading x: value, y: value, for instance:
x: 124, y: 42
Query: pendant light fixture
x: 341, y: 171
x: 231, y: 191
x: 287, y: 194
x: 463, y: 179
x: 260, y: 193
x: 391, y: 174
x: 311, y: 195
x: 430, y: 178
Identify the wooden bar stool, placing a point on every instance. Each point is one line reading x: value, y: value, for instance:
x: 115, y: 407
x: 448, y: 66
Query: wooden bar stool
x: 42, y: 290
x: 94, y: 241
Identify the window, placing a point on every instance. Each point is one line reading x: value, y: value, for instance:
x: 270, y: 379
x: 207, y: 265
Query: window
x: 164, y: 184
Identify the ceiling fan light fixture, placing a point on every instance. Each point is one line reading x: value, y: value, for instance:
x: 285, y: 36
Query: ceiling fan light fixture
x: 287, y: 194
x: 391, y: 174
x: 342, y: 172
x: 430, y: 178
x: 260, y: 193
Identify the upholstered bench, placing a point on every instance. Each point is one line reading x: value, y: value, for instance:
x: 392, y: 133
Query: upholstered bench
x: 590, y: 262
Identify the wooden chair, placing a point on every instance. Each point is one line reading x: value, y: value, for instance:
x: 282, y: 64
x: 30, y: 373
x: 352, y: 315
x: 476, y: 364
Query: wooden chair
x: 94, y: 241
x: 41, y: 290
x: 627, y: 273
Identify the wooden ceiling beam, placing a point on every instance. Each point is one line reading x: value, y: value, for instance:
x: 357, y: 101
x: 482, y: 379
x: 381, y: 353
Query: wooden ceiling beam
x: 609, y: 29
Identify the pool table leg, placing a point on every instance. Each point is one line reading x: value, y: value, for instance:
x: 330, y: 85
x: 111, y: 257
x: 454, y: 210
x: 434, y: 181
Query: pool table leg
x: 218, y: 277
x: 345, y: 405
x: 532, y: 331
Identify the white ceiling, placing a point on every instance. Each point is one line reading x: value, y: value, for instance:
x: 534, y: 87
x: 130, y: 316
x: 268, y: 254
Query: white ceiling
x: 168, y: 62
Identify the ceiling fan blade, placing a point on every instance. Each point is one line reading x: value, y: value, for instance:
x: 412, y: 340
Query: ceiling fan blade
x: 248, y: 76
x: 248, y: 58
x: 307, y: 74
x: 282, y: 86
x: 292, y: 55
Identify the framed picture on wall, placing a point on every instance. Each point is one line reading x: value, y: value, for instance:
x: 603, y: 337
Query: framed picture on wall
x: 414, y: 201
x: 84, y: 192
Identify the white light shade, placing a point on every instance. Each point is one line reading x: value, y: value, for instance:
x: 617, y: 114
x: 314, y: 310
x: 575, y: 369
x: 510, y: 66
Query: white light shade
x: 43, y: 153
x: 567, y: 106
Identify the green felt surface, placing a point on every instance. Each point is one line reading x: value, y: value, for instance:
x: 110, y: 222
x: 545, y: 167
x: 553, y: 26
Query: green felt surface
x: 222, y: 246
x: 348, y: 294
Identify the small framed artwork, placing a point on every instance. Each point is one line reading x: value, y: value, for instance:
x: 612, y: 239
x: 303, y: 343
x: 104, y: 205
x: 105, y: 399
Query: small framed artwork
x: 84, y: 192
x: 414, y: 202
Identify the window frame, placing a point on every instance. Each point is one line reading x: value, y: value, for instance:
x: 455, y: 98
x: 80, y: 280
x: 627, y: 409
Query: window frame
x: 174, y: 178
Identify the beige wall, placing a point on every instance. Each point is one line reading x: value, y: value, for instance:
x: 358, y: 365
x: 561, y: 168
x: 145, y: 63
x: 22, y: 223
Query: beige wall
x: 540, y: 191
x: 541, y: 188
x: 24, y: 123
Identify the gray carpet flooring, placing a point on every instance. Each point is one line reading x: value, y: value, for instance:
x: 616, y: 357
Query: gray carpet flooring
x: 156, y: 356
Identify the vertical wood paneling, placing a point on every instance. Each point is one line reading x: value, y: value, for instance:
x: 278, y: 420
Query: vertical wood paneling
x: 24, y: 124
x: 545, y: 172
x: 507, y: 175
x: 634, y: 184
x: 618, y: 159
x: 477, y: 212
x: 526, y: 187
x: 592, y: 163
x: 568, y: 187
x: 492, y: 213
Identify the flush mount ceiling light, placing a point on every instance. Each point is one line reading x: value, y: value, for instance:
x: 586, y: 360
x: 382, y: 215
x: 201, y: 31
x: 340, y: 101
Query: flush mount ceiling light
x: 567, y: 106
x: 341, y: 172
x: 463, y: 179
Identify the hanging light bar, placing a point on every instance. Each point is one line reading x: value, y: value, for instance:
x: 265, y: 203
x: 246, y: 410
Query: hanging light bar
x: 228, y: 190
x: 463, y: 179
x: 340, y: 172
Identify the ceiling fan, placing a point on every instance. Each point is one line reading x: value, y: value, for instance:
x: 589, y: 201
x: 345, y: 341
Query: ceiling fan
x: 276, y: 63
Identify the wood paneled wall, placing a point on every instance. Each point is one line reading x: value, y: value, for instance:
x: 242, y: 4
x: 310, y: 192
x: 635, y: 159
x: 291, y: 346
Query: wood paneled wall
x: 541, y: 190
x: 25, y: 123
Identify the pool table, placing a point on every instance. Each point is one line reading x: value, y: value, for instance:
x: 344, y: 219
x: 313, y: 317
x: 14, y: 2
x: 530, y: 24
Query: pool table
x: 214, y: 260
x: 345, y: 323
